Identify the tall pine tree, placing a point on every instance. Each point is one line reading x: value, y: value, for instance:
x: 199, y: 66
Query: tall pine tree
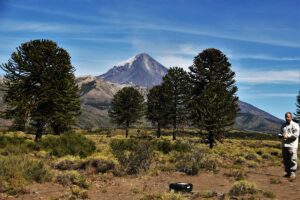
x: 127, y: 107
x: 156, y: 105
x: 213, y: 96
x: 40, y: 87
x: 297, y: 113
x: 176, y: 87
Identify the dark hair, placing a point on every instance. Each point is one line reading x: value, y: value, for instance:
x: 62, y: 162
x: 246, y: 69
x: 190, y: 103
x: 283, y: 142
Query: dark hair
x: 288, y: 113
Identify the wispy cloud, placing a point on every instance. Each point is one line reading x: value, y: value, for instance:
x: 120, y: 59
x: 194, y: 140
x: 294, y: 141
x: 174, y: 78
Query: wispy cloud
x: 266, y: 76
x: 131, y: 21
x: 263, y: 57
x: 264, y: 95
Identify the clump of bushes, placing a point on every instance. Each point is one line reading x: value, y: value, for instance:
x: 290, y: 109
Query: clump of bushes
x: 243, y: 187
x: 18, y: 171
x: 68, y: 144
x: 15, y: 145
x: 72, y: 177
x: 99, y: 165
x: 167, y: 146
x: 191, y: 162
x: 253, y: 156
x: 165, y: 196
x: 134, y: 156
x: 236, y: 175
x: 68, y: 163
x: 75, y: 163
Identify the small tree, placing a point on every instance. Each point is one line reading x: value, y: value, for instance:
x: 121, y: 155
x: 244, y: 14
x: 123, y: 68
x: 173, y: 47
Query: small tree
x: 40, y: 87
x: 213, y: 97
x: 176, y: 84
x: 297, y: 114
x: 156, y: 105
x: 126, y: 107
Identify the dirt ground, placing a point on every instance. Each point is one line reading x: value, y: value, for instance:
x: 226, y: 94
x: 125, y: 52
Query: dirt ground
x: 129, y: 188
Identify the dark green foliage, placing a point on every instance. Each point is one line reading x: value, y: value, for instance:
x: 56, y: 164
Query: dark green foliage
x: 167, y: 146
x: 176, y: 89
x: 68, y: 144
x: 133, y: 156
x: 213, y: 97
x: 156, y: 105
x: 297, y: 114
x: 40, y: 87
x: 127, y: 107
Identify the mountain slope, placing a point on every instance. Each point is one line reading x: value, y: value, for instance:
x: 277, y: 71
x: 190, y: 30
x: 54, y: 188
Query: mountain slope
x: 95, y: 97
x: 140, y: 70
x: 255, y: 119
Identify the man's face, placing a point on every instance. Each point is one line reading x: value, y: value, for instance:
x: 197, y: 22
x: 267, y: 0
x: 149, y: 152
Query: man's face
x: 288, y: 118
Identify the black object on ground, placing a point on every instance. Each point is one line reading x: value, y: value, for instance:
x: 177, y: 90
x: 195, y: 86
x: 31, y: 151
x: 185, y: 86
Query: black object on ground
x: 181, y: 187
x: 189, y: 171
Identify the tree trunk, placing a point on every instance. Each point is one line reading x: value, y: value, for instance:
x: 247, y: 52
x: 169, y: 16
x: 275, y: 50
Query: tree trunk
x: 127, y: 129
x: 39, y: 131
x: 174, y: 131
x: 158, y: 130
x: 211, y: 139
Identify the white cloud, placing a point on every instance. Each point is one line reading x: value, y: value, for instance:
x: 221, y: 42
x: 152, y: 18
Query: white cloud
x: 267, y: 76
x: 263, y: 57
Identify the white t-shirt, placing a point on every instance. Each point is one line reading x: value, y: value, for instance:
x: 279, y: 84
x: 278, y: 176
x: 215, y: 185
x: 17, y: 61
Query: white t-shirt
x: 292, y: 131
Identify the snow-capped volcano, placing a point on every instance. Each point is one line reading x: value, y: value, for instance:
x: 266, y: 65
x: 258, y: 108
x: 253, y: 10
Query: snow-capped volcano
x: 140, y: 70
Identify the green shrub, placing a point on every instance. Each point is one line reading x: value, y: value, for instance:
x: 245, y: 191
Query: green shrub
x: 68, y: 144
x: 167, y: 146
x: 238, y: 175
x: 208, y: 194
x: 270, y: 195
x: 10, y: 140
x: 132, y: 158
x: 68, y: 163
x: 72, y: 178
x: 99, y: 165
x: 165, y: 196
x: 241, y: 188
x: 240, y: 161
x: 190, y: 162
x: 17, y: 171
x: 253, y: 156
x: 124, y: 144
x: 15, y: 145
x: 78, y: 193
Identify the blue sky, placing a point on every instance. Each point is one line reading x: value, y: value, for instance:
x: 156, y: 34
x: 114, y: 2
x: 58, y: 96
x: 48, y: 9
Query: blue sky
x: 260, y: 37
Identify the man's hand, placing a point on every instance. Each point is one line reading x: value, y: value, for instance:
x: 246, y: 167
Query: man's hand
x: 285, y: 136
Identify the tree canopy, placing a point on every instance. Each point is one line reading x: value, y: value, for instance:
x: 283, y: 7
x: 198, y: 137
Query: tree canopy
x: 127, y: 107
x: 213, y: 96
x: 40, y: 87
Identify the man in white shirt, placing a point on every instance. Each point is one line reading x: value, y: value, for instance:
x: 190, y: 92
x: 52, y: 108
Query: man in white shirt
x: 289, y: 135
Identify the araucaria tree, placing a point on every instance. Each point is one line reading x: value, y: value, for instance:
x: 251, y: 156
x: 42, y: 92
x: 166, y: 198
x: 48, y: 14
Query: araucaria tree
x: 156, y: 106
x: 127, y: 107
x: 40, y: 87
x: 176, y: 84
x: 297, y: 113
x: 214, y: 103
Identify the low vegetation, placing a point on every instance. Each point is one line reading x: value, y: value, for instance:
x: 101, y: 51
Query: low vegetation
x: 76, y: 160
